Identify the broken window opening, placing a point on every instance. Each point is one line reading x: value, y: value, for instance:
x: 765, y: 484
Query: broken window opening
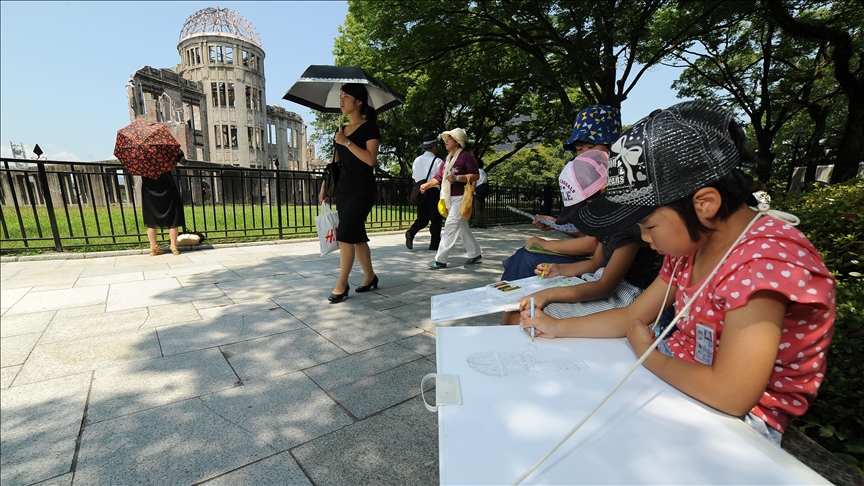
x: 250, y: 134
x: 225, y: 140
x: 255, y: 99
x: 234, y: 136
x: 248, y: 97
x: 261, y: 100
x: 231, y: 95
x: 245, y: 58
x: 218, y: 138
x: 229, y: 55
x: 258, y: 135
x: 220, y: 57
x: 222, y: 94
x: 212, y: 54
x: 215, y: 94
x: 289, y: 137
x: 197, y: 55
x: 271, y: 133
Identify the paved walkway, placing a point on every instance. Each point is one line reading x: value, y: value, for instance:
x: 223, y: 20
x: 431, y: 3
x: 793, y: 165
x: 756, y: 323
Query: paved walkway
x: 226, y: 365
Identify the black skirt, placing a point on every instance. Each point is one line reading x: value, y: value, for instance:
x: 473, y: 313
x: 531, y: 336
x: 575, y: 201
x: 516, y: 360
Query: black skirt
x: 161, y: 205
x: 353, y: 209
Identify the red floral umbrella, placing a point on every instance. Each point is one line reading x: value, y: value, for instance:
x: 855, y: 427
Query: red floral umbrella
x: 146, y: 149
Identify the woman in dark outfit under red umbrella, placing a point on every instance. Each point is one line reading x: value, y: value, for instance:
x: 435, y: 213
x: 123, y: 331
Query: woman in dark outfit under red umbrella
x: 162, y: 207
x: 357, y: 149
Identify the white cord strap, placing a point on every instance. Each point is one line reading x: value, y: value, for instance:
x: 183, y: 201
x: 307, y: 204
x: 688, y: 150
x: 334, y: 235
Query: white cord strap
x: 763, y: 210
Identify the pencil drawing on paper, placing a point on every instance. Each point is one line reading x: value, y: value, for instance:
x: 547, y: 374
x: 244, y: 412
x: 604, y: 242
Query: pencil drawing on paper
x: 521, y: 363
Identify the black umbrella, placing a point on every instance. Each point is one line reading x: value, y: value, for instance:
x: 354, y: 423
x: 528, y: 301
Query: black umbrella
x: 320, y: 89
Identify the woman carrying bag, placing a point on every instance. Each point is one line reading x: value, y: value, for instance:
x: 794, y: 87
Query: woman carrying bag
x: 357, y: 150
x: 459, y: 170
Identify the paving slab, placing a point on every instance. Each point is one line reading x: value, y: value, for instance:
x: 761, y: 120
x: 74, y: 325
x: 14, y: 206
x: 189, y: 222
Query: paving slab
x: 93, y: 325
x: 227, y: 325
x: 157, y: 292
x: 282, y: 412
x: 276, y: 469
x: 378, y: 329
x: 83, y: 310
x: 8, y: 374
x: 54, y: 360
x: 142, y: 385
x: 62, y: 480
x: 382, y: 391
x: 422, y: 344
x: 259, y: 359
x: 109, y: 279
x: 251, y: 289
x: 180, y: 443
x: 163, y: 315
x: 38, y: 428
x: 9, y: 297
x: 353, y: 368
x: 186, y: 269
x: 14, y: 350
x: 398, y: 446
x: 35, y: 301
x: 25, y: 323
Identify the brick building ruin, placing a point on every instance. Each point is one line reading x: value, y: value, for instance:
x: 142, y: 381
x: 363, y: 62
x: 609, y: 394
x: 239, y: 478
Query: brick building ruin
x: 214, y: 101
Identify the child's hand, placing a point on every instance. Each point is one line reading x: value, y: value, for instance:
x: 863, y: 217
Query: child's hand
x: 535, y: 239
x: 548, y: 270
x: 539, y: 224
x: 543, y: 324
x: 539, y: 302
x: 640, y: 337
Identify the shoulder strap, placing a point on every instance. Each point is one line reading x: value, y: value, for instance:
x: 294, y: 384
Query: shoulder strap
x: 432, y: 164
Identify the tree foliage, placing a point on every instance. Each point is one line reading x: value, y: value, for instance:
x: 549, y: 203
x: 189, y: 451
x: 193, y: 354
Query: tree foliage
x: 784, y: 78
x: 482, y: 65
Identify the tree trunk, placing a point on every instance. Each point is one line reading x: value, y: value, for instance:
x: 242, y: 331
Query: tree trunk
x: 852, y: 144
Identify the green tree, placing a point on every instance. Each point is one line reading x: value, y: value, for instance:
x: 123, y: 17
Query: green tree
x: 837, y: 24
x: 481, y: 65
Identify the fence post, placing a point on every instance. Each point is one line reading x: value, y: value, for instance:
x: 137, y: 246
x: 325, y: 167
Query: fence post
x: 279, y: 203
x: 49, y: 206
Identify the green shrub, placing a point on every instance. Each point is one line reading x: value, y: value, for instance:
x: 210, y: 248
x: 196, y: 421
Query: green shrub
x: 832, y: 217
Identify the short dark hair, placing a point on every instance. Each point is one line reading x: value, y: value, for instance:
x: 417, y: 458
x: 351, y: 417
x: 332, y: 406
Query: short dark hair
x: 736, y: 189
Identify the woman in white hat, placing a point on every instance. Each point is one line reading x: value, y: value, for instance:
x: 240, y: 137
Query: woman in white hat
x: 460, y: 168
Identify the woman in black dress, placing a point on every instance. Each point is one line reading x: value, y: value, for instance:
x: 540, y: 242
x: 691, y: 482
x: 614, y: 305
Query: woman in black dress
x: 357, y: 149
x: 162, y: 208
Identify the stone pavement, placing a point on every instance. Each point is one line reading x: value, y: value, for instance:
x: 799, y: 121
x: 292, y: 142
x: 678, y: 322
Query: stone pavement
x: 226, y: 365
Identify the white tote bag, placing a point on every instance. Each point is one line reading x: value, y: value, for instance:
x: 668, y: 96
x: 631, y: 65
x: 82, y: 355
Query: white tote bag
x: 327, y: 224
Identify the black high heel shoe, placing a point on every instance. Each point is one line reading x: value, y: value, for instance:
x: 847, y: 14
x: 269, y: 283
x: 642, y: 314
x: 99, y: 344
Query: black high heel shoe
x: 336, y: 298
x: 367, y: 288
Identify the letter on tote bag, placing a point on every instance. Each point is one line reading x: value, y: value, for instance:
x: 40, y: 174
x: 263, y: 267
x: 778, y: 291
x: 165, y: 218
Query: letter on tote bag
x: 327, y: 224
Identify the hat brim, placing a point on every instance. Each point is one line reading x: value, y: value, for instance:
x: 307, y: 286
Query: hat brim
x: 602, y: 217
x: 566, y: 215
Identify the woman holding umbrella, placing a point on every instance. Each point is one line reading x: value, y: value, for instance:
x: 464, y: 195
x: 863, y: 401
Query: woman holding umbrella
x: 162, y: 207
x: 356, y: 147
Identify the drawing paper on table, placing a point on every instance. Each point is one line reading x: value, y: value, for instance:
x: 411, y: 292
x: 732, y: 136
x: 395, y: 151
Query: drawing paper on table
x: 490, y: 299
x: 647, y: 433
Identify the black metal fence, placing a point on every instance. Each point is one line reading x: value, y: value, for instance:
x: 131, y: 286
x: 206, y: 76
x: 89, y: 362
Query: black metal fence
x: 59, y: 205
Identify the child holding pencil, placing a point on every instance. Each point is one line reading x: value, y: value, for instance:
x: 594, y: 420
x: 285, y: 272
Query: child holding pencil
x: 746, y: 277
x: 620, y: 267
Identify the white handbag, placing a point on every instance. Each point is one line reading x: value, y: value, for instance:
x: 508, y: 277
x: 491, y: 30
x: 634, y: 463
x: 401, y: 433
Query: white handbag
x: 327, y: 224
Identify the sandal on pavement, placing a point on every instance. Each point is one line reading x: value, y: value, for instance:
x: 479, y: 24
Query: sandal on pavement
x: 156, y: 251
x: 175, y: 251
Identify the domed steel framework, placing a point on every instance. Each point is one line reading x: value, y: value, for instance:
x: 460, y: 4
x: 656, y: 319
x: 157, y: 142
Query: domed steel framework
x: 219, y: 21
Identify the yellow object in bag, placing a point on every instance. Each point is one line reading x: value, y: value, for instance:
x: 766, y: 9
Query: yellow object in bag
x: 442, y: 208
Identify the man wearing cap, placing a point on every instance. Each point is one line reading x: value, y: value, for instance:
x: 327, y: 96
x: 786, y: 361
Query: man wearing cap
x: 426, y: 166
x: 595, y: 128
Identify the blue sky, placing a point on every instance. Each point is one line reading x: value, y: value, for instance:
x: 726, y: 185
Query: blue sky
x: 65, y: 65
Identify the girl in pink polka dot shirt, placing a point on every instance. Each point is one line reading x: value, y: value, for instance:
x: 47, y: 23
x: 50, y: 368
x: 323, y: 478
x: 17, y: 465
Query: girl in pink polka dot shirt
x: 758, y: 300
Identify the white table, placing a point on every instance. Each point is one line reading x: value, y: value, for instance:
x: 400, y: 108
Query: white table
x: 519, y: 399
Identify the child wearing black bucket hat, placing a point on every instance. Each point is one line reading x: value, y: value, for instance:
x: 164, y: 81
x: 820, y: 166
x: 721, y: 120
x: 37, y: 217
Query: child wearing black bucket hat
x: 745, y: 276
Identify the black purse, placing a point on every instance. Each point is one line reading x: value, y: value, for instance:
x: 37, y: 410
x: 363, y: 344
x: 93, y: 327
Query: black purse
x: 331, y: 177
x: 417, y: 198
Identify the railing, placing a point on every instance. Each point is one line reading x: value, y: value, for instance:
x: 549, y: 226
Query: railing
x: 59, y: 205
